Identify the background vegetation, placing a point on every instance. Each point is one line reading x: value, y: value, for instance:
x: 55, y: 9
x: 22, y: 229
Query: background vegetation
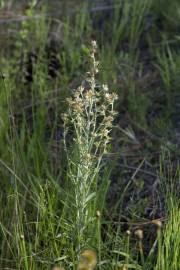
x: 89, y: 180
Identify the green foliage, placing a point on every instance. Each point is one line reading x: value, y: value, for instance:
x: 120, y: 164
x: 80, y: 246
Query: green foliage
x: 129, y: 23
x: 168, y: 254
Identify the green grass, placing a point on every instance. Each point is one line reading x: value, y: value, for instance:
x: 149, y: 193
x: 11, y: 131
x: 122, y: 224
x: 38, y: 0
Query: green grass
x: 168, y: 256
x: 83, y: 174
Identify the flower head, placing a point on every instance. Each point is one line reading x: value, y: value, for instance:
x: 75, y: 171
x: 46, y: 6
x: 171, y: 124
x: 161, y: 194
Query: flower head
x: 158, y: 223
x: 55, y: 267
x: 88, y: 260
x: 139, y: 234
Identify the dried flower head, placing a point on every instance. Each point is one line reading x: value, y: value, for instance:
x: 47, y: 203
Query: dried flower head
x: 139, y: 234
x: 83, y: 266
x: 55, y: 267
x: 88, y: 260
x: 158, y: 223
x: 124, y: 268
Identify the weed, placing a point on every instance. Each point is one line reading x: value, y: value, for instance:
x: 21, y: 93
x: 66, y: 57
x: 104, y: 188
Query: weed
x: 91, y: 113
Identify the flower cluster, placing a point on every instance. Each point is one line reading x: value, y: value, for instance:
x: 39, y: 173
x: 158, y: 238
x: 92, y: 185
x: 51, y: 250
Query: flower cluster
x: 90, y: 113
x: 88, y: 260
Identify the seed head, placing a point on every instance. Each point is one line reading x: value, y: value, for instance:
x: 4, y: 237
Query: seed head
x: 124, y: 268
x: 158, y: 223
x: 83, y: 266
x: 57, y: 268
x: 105, y: 87
x: 139, y: 234
x: 88, y: 260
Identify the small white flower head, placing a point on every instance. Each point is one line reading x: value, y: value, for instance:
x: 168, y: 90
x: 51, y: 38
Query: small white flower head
x: 105, y: 87
x: 94, y: 44
x: 139, y: 234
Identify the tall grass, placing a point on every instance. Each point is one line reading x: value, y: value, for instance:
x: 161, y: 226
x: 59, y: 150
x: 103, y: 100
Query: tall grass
x: 168, y: 253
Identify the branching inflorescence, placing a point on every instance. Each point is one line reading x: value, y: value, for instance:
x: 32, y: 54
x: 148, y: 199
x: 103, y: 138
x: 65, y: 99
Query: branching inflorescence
x: 90, y: 113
